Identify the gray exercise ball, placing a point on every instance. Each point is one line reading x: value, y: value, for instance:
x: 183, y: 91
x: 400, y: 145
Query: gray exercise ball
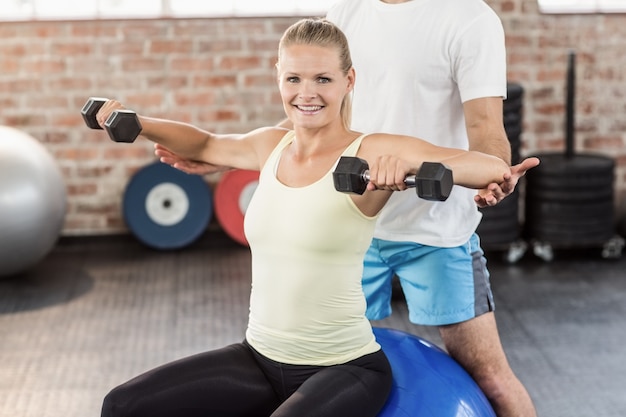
x: 33, y: 201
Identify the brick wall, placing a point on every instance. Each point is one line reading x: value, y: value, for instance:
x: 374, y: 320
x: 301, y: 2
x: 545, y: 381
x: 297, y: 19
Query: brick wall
x: 218, y: 73
x: 537, y: 49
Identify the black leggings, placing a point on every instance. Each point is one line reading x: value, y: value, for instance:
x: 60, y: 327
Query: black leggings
x: 236, y: 381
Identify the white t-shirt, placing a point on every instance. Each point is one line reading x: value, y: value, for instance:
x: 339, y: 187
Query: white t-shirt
x: 416, y: 63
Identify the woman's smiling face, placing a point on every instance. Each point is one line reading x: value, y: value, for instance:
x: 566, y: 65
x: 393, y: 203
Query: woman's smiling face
x: 312, y: 84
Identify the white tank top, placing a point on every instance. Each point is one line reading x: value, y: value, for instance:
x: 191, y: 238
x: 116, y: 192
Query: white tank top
x: 307, y: 305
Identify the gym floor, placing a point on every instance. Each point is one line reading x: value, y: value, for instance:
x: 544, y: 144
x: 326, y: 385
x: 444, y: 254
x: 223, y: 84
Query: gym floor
x: 97, y: 311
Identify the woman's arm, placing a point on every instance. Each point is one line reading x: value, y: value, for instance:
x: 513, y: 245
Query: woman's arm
x: 243, y: 151
x: 473, y: 169
x: 186, y: 165
x: 391, y: 157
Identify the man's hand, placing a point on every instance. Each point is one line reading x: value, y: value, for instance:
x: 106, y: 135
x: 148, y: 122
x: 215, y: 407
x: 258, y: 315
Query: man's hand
x: 186, y: 165
x: 495, y: 193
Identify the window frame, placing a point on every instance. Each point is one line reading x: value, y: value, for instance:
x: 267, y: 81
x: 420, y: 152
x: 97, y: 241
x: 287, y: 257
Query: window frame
x: 34, y: 10
x: 581, y: 6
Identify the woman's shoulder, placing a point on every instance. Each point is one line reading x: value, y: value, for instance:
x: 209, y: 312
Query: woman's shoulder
x: 269, y: 132
x: 377, y: 140
x: 265, y: 139
x: 267, y: 136
x: 376, y: 144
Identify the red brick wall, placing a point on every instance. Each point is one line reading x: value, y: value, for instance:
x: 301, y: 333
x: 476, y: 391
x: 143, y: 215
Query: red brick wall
x: 537, y: 49
x: 218, y: 73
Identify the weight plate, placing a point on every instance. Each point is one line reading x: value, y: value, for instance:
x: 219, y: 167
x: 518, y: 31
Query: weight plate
x: 167, y: 204
x: 500, y: 223
x: 513, y: 91
x: 232, y: 196
x: 567, y: 195
x: 561, y: 164
x: 574, y: 211
x: 512, y: 119
x: 166, y: 208
x: 562, y: 236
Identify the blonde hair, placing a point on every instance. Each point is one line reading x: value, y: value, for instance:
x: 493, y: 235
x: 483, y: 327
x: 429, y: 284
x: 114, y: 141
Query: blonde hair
x: 321, y: 32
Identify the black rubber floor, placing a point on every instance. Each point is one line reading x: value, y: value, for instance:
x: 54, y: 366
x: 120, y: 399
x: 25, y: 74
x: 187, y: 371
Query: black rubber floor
x: 97, y: 311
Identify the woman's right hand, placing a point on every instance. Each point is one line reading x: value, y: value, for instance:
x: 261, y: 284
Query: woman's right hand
x: 105, y: 111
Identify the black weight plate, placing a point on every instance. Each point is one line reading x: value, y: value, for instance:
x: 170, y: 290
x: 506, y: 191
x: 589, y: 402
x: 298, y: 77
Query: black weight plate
x: 507, y: 208
x: 499, y: 237
x: 570, y: 223
x: 500, y: 223
x: 513, y: 91
x: 567, y: 195
x: 556, y: 210
x: 512, y: 119
x: 621, y: 218
x: 513, y: 132
x: 515, y: 157
x: 573, y: 183
x: 166, y: 208
x: 570, y: 235
x: 560, y: 164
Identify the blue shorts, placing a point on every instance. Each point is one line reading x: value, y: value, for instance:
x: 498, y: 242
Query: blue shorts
x: 441, y: 285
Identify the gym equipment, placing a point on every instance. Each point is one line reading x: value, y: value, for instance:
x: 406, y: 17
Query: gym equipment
x: 33, y: 201
x: 621, y: 219
x: 166, y: 208
x: 427, y: 382
x: 232, y: 196
x: 433, y: 181
x: 121, y: 125
x: 569, y: 196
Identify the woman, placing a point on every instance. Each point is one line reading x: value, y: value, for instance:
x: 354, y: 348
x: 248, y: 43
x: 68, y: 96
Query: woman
x: 309, y: 350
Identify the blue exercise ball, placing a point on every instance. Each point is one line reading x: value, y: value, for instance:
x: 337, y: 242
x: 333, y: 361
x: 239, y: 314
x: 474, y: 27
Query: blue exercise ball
x: 32, y: 201
x: 427, y: 382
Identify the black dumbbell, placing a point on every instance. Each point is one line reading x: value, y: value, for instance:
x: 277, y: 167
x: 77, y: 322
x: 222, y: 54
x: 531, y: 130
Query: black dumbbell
x: 433, y: 181
x: 121, y: 125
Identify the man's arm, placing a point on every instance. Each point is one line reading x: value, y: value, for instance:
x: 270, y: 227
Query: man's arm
x: 485, y: 127
x: 485, y: 130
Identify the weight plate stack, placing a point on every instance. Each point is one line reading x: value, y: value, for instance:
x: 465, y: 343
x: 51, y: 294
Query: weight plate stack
x: 500, y: 225
x: 569, y: 200
x: 166, y: 208
x: 569, y: 196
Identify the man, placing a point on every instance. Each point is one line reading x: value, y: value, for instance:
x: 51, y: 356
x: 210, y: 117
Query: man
x: 436, y: 69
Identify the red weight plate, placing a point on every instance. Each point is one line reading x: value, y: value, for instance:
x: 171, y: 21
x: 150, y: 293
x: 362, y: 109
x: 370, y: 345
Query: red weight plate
x: 232, y: 196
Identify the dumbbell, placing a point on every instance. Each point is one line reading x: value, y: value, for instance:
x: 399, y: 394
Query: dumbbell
x: 433, y: 181
x: 121, y: 125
